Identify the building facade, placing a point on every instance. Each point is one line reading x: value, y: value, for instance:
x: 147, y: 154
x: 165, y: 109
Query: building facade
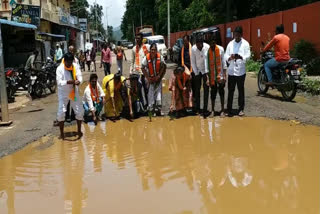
x: 55, y: 22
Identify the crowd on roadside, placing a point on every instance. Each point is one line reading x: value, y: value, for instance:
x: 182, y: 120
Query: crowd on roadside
x: 202, y: 65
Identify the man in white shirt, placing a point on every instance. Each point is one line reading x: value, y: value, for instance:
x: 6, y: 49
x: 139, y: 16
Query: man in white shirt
x: 58, y: 54
x: 93, y: 98
x: 68, y: 80
x: 198, y: 55
x: 139, y: 51
x: 70, y: 113
x: 216, y: 68
x: 237, y: 54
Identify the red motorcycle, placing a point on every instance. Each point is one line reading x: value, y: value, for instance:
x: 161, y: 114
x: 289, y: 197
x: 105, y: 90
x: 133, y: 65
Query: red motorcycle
x: 12, y: 83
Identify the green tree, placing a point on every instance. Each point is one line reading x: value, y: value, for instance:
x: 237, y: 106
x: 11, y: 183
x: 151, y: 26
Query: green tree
x: 131, y: 18
x: 110, y: 33
x: 198, y: 15
x: 79, y: 8
x: 95, y: 18
x: 177, y: 22
x: 191, y: 14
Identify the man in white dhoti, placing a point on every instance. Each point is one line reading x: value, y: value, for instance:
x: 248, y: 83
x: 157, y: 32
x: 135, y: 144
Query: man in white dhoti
x: 68, y: 80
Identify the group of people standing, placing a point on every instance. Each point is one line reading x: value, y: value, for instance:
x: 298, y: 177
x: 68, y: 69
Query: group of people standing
x: 208, y: 66
x: 106, y: 58
x: 129, y: 97
x: 204, y: 65
x: 87, y: 58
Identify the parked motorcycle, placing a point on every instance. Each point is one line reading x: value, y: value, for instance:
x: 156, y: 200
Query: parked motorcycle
x: 37, y: 83
x: 11, y: 81
x: 50, y: 68
x: 23, y: 78
x: 285, y: 77
x: 43, y: 79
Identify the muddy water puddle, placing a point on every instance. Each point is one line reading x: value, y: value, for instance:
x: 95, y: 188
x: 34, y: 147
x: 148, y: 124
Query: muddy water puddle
x: 191, y: 165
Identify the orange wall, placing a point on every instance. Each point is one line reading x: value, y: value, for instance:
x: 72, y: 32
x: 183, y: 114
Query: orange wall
x: 266, y: 24
x: 308, y: 24
x: 245, y: 24
x: 308, y: 27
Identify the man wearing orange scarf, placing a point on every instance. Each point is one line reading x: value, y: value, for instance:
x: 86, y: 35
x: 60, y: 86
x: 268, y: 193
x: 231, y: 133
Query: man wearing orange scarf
x: 68, y: 80
x: 216, y: 70
x: 93, y: 99
x: 138, y: 53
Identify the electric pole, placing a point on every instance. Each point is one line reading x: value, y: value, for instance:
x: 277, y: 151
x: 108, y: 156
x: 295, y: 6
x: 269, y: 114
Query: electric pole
x: 169, y: 24
x: 107, y: 21
x: 96, y: 8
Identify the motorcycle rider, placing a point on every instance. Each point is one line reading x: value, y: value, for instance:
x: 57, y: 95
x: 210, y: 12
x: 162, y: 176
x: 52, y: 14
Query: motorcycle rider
x: 281, y: 48
x: 30, y: 62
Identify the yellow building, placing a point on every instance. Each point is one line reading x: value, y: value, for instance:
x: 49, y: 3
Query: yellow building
x: 58, y: 25
x: 5, y: 7
x: 53, y: 19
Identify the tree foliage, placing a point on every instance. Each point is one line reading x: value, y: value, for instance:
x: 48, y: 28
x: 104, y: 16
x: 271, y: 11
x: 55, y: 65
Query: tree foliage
x: 190, y: 14
x: 110, y: 33
x: 95, y: 18
x: 79, y: 8
x: 93, y: 13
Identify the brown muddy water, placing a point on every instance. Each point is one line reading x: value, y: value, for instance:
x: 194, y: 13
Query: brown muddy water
x: 191, y: 165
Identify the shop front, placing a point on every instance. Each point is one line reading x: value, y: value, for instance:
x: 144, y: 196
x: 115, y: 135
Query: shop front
x: 18, y: 42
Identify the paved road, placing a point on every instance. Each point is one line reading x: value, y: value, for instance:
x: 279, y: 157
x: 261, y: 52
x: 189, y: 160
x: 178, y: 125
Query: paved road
x: 36, y: 119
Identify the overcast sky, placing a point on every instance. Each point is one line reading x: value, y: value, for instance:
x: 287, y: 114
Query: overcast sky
x: 116, y: 10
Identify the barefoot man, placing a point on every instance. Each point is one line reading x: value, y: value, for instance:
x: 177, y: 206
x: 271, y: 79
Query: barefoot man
x: 68, y: 80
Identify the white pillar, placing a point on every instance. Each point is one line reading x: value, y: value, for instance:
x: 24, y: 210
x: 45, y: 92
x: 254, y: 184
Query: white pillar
x: 3, y: 86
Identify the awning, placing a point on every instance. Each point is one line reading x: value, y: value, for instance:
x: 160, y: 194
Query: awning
x: 71, y: 26
x: 51, y: 35
x: 17, y: 24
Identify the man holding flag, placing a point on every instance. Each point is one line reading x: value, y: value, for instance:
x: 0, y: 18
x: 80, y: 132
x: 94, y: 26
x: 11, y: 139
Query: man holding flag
x: 68, y: 80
